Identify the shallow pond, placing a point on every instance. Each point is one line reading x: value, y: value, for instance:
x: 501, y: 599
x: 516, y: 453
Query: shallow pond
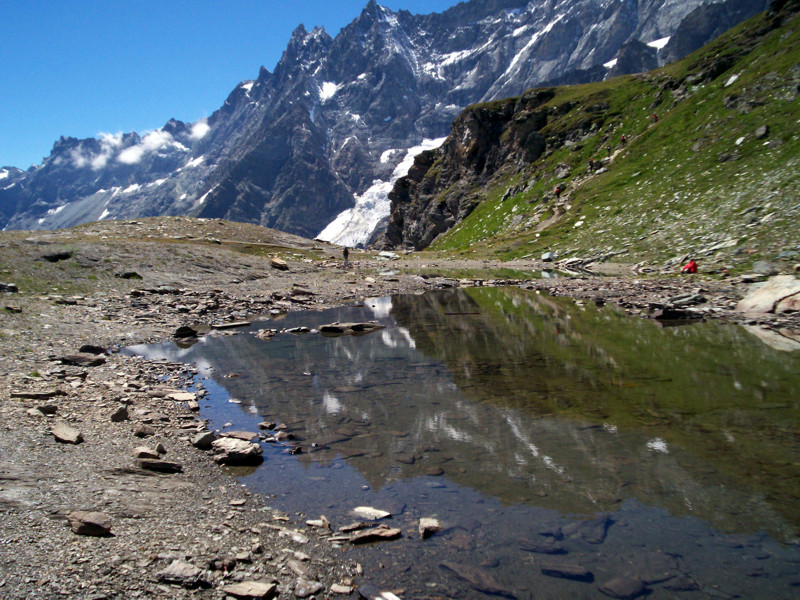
x: 561, y: 445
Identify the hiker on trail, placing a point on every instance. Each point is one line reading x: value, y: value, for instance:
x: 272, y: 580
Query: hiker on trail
x: 345, y: 255
x: 690, y: 267
x: 558, y: 191
x: 591, y: 164
x: 655, y: 118
x: 608, y: 149
x: 624, y: 139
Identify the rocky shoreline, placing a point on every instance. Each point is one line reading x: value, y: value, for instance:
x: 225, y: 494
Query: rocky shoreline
x: 180, y: 525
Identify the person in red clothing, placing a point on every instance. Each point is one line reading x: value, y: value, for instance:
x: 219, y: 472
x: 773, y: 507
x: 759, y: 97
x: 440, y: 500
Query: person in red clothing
x: 690, y: 267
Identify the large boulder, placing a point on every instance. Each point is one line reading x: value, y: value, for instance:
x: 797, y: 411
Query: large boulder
x: 232, y: 451
x: 778, y: 294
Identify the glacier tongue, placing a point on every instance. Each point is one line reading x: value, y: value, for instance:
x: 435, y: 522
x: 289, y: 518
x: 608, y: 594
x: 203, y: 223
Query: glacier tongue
x: 357, y: 225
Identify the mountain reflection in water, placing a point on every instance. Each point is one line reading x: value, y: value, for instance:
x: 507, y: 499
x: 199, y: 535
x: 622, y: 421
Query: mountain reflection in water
x: 509, y: 414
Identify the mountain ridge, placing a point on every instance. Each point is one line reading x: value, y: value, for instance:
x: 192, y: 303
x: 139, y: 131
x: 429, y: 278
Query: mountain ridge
x: 697, y: 159
x: 294, y: 148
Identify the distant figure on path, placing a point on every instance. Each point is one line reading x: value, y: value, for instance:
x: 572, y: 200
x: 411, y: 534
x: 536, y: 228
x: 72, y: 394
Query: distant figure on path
x: 624, y: 139
x: 558, y: 191
x: 690, y: 267
x: 346, y: 255
x: 655, y: 118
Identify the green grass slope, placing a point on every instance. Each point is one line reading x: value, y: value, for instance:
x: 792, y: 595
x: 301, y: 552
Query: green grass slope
x: 715, y: 177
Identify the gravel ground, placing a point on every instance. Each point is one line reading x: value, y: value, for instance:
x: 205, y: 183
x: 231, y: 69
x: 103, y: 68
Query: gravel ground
x: 110, y: 285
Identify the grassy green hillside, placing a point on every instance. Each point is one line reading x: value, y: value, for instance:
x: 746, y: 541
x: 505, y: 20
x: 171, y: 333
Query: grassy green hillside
x: 716, y: 176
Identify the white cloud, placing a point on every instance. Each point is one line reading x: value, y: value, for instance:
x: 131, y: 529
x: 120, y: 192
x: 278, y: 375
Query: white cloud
x: 200, y: 129
x: 153, y: 141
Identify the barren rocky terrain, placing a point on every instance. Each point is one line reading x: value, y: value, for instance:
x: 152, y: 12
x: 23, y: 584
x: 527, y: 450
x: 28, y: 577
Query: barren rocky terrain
x: 72, y: 298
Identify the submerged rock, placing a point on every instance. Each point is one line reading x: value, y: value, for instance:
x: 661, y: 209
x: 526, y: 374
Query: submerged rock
x: 481, y: 580
x: 428, y: 526
x: 624, y: 588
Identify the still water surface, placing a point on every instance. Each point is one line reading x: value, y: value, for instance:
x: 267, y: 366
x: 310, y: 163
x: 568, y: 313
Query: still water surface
x: 541, y: 432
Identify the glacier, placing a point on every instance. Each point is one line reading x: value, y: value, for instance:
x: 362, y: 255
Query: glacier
x: 356, y: 226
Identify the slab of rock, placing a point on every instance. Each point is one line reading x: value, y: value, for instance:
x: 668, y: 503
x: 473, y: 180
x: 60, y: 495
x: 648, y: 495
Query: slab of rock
x: 145, y: 452
x: 83, y: 360
x: 428, y: 526
x: 182, y: 396
x: 184, y: 574
x: 34, y: 395
x: 143, y: 431
x: 376, y: 534
x: 481, y: 580
x: 203, y: 440
x: 373, y: 514
x: 624, y: 588
x: 279, y: 264
x: 66, y: 434
x: 119, y: 415
x: 246, y: 436
x: 232, y: 451
x: 160, y: 466
x: 543, y: 545
x: 765, y: 297
x: 90, y: 523
x: 568, y: 571
x: 251, y: 589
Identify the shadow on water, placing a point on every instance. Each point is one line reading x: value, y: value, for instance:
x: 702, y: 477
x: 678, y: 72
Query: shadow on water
x: 561, y: 445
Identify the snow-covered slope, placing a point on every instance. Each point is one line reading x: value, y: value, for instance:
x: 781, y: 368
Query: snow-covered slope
x: 357, y: 226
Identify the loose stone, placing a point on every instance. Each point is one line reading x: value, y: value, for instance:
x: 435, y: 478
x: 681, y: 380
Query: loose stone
x: 160, y: 466
x: 428, y: 526
x: 376, y: 534
x: 305, y: 588
x: 66, y: 434
x: 232, y: 451
x: 183, y: 574
x: 251, y: 589
x: 90, y: 523
x: 119, y: 415
x: 203, y: 440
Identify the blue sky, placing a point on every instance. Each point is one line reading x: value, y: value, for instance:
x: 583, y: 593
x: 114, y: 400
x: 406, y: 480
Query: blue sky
x: 84, y: 67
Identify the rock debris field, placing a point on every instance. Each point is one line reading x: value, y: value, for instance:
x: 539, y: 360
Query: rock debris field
x: 104, y: 492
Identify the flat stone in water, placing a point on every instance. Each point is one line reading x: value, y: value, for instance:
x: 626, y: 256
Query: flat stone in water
x: 624, y: 588
x: 479, y: 579
x: 568, y: 571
